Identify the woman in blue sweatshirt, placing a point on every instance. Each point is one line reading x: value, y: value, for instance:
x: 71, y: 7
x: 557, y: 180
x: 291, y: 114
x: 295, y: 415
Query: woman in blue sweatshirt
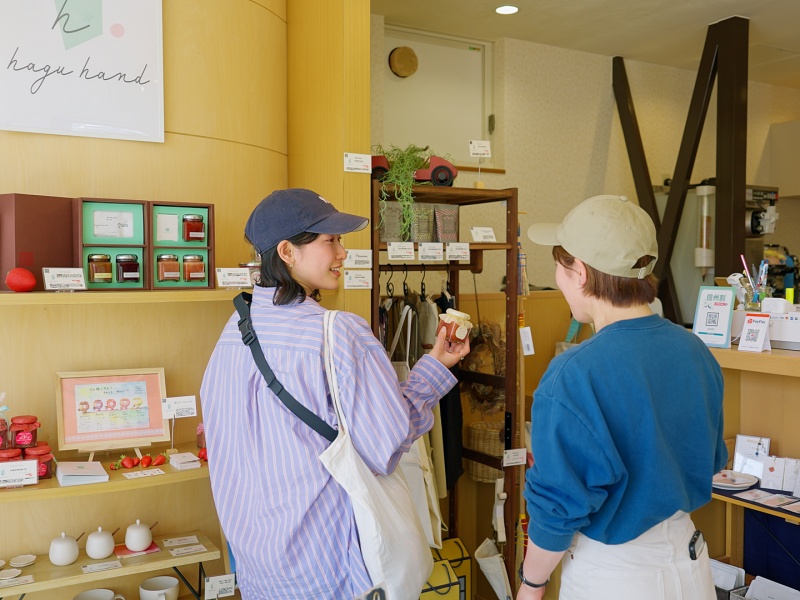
x: 626, y: 427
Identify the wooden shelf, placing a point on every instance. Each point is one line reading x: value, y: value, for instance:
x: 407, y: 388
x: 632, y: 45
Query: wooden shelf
x: 115, y: 297
x: 775, y: 362
x: 47, y: 576
x: 777, y: 512
x: 472, y: 246
x: 117, y: 482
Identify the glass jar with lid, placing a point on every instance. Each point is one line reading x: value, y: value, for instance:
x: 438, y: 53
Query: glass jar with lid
x: 10, y: 454
x: 99, y: 267
x: 42, y: 453
x: 23, y: 431
x: 194, y: 229
x: 194, y: 269
x: 128, y: 268
x: 168, y: 267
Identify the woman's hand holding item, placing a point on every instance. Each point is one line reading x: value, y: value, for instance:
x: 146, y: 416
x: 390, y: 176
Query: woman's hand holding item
x: 448, y: 353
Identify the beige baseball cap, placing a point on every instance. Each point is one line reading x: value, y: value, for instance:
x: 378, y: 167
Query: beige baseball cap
x: 606, y: 232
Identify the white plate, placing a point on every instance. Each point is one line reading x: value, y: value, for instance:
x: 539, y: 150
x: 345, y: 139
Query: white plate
x: 732, y: 480
x: 23, y: 560
x: 9, y: 573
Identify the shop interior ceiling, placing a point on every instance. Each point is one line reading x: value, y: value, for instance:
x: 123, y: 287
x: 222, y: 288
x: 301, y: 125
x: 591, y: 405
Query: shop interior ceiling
x: 663, y: 32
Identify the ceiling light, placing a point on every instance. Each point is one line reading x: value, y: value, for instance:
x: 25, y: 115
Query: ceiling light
x: 506, y: 10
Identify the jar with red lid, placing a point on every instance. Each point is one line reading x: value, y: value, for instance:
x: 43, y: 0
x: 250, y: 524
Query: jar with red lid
x: 43, y: 455
x: 10, y: 454
x: 5, y: 442
x: 23, y: 431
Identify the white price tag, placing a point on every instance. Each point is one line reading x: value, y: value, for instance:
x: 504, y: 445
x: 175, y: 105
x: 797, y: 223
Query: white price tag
x: 482, y: 234
x: 358, y: 259
x: 103, y: 566
x: 144, y: 473
x: 358, y: 280
x: 431, y: 251
x: 357, y: 163
x: 63, y: 278
x: 457, y: 251
x: 480, y: 148
x: 401, y: 250
x: 19, y: 580
x: 183, y: 551
x: 180, y: 541
x: 219, y: 586
x: 238, y: 277
x: 527, y: 340
x: 179, y: 407
x: 514, y: 457
x: 17, y: 473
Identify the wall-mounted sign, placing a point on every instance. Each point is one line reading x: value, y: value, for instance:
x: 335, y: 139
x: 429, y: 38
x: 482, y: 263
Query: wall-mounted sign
x: 82, y: 67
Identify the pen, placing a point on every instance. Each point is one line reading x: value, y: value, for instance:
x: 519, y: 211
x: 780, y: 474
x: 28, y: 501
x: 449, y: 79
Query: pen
x: 747, y: 272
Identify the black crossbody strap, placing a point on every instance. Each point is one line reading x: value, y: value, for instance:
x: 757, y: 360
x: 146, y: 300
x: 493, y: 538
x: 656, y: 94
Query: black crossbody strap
x: 242, y: 304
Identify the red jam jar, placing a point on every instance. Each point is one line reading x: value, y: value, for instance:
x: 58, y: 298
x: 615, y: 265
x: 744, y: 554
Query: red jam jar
x: 168, y: 267
x: 23, y: 431
x: 456, y: 325
x: 194, y: 269
x: 10, y: 454
x: 194, y: 230
x: 5, y: 441
x: 45, y: 458
x: 99, y: 268
x: 127, y: 268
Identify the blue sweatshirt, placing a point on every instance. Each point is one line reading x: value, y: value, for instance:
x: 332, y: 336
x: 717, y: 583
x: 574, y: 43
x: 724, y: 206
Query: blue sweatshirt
x: 626, y: 430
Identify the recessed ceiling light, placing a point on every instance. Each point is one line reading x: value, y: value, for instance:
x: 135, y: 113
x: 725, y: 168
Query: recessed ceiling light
x: 506, y: 10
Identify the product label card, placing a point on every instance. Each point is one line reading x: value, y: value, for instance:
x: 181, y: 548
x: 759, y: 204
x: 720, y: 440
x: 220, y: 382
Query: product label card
x: 180, y: 541
x: 237, y: 277
x: 20, y: 580
x: 357, y: 163
x: 431, y: 251
x: 357, y: 280
x: 219, y: 586
x: 358, y: 259
x: 63, y: 278
x: 482, y: 234
x: 514, y: 457
x: 103, y: 566
x: 184, y: 550
x: 166, y: 227
x: 480, y: 148
x: 755, y: 333
x: 457, y: 251
x: 17, y: 473
x: 527, y: 341
x: 143, y: 473
x: 401, y: 250
x: 178, y: 407
x: 774, y: 467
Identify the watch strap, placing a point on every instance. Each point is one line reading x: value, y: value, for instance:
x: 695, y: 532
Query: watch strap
x: 530, y: 583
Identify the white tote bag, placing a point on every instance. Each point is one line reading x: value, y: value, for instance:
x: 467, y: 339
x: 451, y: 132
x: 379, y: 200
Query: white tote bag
x: 393, y: 544
x: 416, y: 464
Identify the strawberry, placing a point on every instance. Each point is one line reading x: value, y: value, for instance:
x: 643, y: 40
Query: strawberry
x: 114, y: 466
x: 127, y: 462
x: 159, y: 460
x: 202, y: 454
x: 146, y: 460
x: 135, y: 460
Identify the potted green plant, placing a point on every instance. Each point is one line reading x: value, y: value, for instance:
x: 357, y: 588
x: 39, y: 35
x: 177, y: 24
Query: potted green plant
x: 398, y: 180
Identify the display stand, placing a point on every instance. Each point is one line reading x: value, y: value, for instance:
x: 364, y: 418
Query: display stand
x: 506, y: 198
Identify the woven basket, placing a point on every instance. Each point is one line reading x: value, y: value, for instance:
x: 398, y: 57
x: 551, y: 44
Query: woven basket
x: 484, y: 436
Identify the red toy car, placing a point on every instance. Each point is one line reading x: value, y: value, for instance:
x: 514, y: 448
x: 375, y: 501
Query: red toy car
x: 439, y: 171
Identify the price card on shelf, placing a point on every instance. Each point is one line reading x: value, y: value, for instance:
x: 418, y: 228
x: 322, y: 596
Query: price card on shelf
x: 357, y: 280
x: 358, y: 259
x: 183, y: 551
x: 16, y: 581
x: 431, y: 251
x: 401, y: 250
x: 63, y: 279
x: 180, y: 541
x: 482, y: 234
x: 457, y: 251
x: 514, y: 457
x: 237, y: 277
x: 143, y: 473
x: 480, y: 148
x: 17, y: 473
x: 103, y: 566
x: 357, y: 163
x: 219, y: 586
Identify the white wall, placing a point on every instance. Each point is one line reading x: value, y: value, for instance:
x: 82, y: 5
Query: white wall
x: 560, y: 139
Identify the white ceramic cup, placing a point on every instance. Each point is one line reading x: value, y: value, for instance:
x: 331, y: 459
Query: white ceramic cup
x: 159, y: 588
x: 99, y: 595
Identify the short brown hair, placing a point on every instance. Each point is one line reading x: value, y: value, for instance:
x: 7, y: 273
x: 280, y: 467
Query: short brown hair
x: 619, y: 291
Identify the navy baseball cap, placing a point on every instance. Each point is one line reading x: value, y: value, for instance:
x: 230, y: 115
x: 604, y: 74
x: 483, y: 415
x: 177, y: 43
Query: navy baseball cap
x: 286, y: 213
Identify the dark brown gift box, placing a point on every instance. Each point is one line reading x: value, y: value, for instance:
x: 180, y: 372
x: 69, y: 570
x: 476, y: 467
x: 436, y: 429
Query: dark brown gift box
x: 35, y: 232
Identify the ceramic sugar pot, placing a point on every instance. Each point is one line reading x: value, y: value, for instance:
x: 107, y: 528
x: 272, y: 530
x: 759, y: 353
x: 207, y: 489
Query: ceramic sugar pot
x: 63, y: 550
x: 100, y: 544
x: 138, y: 537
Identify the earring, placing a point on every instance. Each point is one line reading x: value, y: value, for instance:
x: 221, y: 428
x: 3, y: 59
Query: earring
x: 291, y: 265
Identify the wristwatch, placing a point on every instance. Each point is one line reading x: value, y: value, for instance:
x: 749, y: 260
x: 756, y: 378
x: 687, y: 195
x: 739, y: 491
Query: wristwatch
x: 530, y: 583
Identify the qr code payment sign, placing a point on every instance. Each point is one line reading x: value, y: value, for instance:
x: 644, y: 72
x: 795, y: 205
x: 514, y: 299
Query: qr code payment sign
x: 712, y: 319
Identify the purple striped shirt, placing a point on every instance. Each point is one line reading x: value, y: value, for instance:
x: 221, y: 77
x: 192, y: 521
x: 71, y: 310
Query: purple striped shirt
x: 289, y: 524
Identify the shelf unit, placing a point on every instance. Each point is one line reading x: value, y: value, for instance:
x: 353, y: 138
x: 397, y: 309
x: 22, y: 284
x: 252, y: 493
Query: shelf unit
x: 514, y: 422
x: 760, y: 398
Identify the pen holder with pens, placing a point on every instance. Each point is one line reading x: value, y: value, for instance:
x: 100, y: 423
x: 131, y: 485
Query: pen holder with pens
x: 752, y: 299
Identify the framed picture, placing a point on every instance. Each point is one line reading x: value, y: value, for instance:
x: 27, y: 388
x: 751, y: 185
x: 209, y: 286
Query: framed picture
x: 107, y: 410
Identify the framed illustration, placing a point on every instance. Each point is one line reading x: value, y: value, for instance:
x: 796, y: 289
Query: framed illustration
x: 107, y: 410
